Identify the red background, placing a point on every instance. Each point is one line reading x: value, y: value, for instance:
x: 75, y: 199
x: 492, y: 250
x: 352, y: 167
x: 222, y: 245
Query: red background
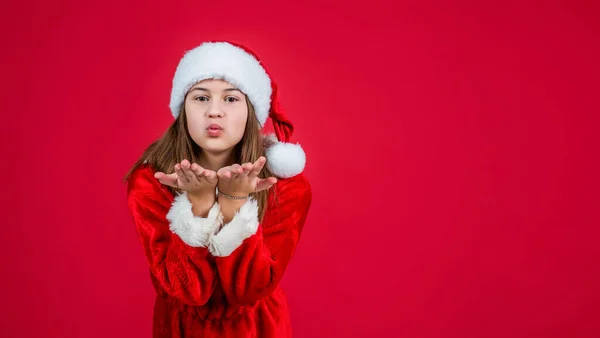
x: 451, y: 149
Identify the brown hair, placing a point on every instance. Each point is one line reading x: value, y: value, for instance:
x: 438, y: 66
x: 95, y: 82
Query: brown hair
x: 176, y: 145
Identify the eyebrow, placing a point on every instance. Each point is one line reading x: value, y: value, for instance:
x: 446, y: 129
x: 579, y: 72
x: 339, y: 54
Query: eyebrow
x: 225, y: 90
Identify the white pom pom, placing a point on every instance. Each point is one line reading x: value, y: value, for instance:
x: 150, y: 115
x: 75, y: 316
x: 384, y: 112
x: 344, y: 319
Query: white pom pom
x: 286, y: 159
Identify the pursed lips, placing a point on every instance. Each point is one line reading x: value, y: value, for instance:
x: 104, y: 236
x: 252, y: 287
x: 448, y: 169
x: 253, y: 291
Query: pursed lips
x: 214, y: 126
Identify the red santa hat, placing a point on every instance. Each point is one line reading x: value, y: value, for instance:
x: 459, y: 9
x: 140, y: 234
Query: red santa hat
x: 242, y: 68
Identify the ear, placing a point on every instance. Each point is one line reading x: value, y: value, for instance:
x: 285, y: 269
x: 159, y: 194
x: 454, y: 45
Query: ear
x: 285, y: 159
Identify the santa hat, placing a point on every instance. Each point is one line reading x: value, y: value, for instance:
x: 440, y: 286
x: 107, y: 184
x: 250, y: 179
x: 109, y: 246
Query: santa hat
x: 242, y: 68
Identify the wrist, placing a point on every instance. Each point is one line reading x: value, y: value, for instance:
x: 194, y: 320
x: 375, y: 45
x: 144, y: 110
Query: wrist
x: 232, y: 194
x: 201, y: 195
x: 229, y: 207
x: 237, y: 201
x: 201, y: 204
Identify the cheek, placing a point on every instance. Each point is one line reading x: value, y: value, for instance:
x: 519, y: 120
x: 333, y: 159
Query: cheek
x: 195, y: 124
x: 239, y: 124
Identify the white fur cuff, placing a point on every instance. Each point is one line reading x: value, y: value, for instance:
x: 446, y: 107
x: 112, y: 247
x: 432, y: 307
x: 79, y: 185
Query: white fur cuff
x: 193, y: 230
x: 243, y: 225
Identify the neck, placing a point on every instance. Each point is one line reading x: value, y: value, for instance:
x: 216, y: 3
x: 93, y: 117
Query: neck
x: 216, y: 161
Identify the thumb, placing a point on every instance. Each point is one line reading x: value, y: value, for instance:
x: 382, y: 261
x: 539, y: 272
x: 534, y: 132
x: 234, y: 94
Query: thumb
x: 170, y: 180
x: 264, y: 184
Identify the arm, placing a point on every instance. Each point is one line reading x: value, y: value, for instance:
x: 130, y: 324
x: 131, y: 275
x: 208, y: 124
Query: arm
x: 173, y: 239
x: 252, y: 257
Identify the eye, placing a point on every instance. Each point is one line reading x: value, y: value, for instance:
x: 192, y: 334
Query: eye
x: 201, y: 98
x: 233, y: 99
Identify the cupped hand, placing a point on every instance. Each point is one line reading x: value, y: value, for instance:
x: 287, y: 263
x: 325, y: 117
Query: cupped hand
x: 190, y: 177
x: 241, y: 180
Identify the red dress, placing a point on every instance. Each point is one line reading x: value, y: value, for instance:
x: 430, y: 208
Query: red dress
x: 215, y: 280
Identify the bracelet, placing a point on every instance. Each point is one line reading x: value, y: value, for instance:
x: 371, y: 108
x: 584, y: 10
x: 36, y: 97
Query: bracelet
x: 232, y: 197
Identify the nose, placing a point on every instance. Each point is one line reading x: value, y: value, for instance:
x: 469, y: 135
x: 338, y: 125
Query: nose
x: 215, y: 112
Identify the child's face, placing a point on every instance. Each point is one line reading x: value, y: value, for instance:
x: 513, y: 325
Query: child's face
x: 216, y: 102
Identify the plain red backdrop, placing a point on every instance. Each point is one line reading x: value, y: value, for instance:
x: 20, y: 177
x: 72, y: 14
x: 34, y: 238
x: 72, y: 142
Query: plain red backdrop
x: 451, y: 149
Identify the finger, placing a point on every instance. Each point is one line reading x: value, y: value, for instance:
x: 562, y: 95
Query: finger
x: 197, y: 170
x: 247, y: 168
x: 224, y: 173
x: 264, y: 184
x: 180, y: 173
x: 257, y: 166
x: 189, y: 174
x: 209, y: 174
x: 236, y: 170
x: 170, y: 180
x: 221, y: 171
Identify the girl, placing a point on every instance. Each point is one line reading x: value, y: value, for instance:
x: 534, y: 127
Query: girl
x: 219, y: 207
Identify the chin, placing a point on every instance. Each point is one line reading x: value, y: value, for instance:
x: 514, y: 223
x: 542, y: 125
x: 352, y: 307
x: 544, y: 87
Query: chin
x: 215, y: 145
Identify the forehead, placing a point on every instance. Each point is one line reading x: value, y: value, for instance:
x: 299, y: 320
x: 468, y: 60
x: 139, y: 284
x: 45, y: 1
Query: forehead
x: 214, y: 84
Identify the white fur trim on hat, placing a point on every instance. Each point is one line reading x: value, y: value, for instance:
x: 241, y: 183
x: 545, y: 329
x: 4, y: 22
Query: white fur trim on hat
x: 285, y: 159
x: 243, y: 225
x: 193, y: 230
x: 222, y: 60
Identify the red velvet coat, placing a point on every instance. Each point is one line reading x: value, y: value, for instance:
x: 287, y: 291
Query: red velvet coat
x: 215, y: 280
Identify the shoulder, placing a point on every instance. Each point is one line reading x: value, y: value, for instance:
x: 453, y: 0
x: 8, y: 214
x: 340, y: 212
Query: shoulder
x: 143, y: 186
x: 140, y: 177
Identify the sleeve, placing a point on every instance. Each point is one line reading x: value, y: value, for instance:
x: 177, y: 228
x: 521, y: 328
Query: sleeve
x: 251, y: 257
x: 174, y: 240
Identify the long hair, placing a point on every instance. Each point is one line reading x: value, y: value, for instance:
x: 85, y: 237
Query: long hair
x: 176, y: 144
